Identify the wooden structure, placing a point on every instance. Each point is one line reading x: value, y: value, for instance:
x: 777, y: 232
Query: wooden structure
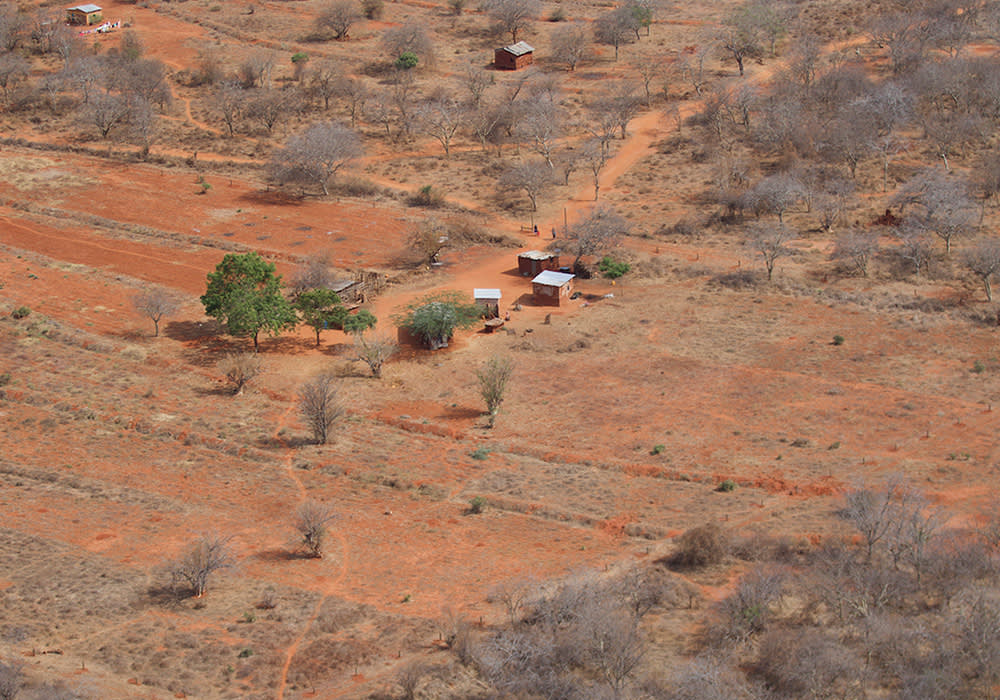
x: 489, y: 299
x: 549, y: 287
x: 514, y: 56
x: 85, y: 15
x: 531, y: 262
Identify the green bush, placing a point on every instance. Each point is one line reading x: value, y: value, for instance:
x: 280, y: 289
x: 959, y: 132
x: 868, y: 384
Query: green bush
x: 727, y: 486
x: 978, y: 367
x: 20, y: 312
x: 658, y: 449
x: 407, y: 60
x: 5, y: 379
x: 477, y: 505
x: 245, y: 653
x: 613, y: 269
x: 480, y: 453
x: 838, y: 340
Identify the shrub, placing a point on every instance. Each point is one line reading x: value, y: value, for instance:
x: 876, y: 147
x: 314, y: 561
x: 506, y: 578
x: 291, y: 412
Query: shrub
x: 701, y: 546
x: 978, y: 367
x: 456, y: 6
x: 478, y: 453
x: 372, y: 9
x: 427, y: 196
x: 838, y: 340
x: 477, y: 505
x: 20, y: 312
x: 727, y: 486
x: 5, y: 379
x: 406, y: 61
x: 658, y: 449
x: 558, y: 15
x: 613, y: 269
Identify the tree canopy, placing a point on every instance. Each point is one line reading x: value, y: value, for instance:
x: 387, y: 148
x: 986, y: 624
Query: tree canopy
x: 434, y: 318
x: 321, y: 309
x: 244, y: 293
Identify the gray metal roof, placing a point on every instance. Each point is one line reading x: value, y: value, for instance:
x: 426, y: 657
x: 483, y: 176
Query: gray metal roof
x: 486, y: 294
x: 341, y: 285
x: 552, y: 278
x: 87, y: 8
x: 535, y: 255
x: 519, y: 49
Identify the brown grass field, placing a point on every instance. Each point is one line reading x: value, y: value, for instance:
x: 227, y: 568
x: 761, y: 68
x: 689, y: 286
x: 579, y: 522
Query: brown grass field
x: 117, y: 448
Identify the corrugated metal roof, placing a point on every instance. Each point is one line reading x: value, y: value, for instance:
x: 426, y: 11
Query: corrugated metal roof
x: 486, y: 294
x: 535, y: 255
x: 552, y: 278
x: 87, y: 8
x: 519, y: 49
x: 341, y: 285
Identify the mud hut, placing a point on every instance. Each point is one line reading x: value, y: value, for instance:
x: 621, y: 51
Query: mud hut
x: 515, y: 56
x: 489, y: 299
x: 531, y: 262
x: 549, y: 287
x: 84, y: 15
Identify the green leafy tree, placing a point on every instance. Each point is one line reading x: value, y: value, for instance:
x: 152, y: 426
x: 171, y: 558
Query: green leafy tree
x: 359, y: 322
x: 245, y: 295
x: 434, y: 318
x: 321, y: 309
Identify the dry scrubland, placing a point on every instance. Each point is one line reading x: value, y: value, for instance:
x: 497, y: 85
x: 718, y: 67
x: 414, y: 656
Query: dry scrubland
x: 703, y: 483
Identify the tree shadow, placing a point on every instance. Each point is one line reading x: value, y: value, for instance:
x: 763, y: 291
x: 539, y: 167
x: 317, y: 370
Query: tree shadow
x: 276, y: 556
x: 273, y: 197
x: 284, y: 443
x: 461, y: 413
x: 166, y: 595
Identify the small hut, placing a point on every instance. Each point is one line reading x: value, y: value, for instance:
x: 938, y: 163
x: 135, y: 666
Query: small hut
x: 549, y: 287
x: 531, y: 262
x: 489, y: 299
x: 84, y: 15
x: 514, y: 56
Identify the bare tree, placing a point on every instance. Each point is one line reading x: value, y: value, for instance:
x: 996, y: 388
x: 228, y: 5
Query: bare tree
x: 514, y: 594
x: 690, y: 66
x: 239, y: 368
x: 321, y: 406
x: 595, y: 156
x: 613, y: 643
x: 324, y: 80
x: 374, y: 351
x: 493, y: 379
x: 268, y: 107
x: 355, y: 92
x: 741, y: 36
x: 337, y: 17
x: 230, y: 101
x: 13, y: 71
x: 311, y: 519
x: 477, y: 81
x: 107, y: 113
x: 872, y: 511
x: 983, y: 260
x: 942, y: 203
x: 429, y: 237
x: 775, y: 194
x: 915, y: 247
x: 598, y: 232
x: 511, y: 16
x: 615, y: 28
x: 532, y: 178
x: 313, y: 274
x: 748, y: 610
x: 155, y: 303
x: 441, y: 117
x: 571, y: 44
x: 256, y: 69
x: 541, y: 126
x: 202, y: 558
x: 13, y: 26
x: 11, y: 680
x: 409, y: 678
x: 856, y: 248
x: 769, y: 242
x: 316, y: 155
x: 412, y: 37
